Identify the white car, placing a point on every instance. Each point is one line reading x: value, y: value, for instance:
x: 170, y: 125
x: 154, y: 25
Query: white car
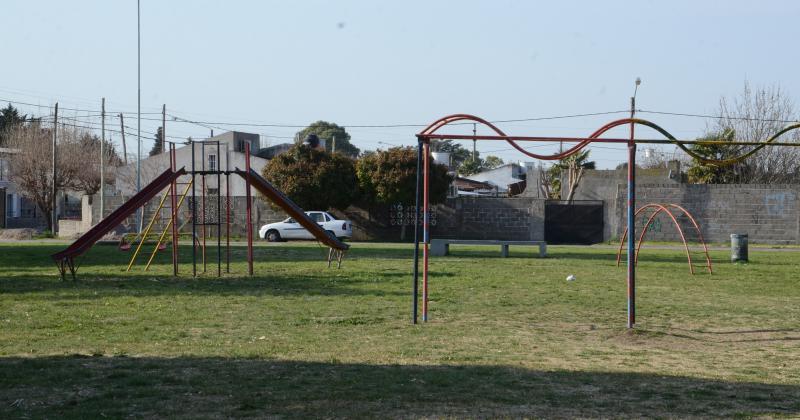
x: 290, y: 229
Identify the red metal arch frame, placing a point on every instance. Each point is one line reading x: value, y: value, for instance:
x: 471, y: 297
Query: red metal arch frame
x: 423, y: 170
x: 659, y: 209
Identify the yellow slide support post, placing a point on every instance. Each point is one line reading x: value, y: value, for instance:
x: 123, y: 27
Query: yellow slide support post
x: 166, y: 229
x: 146, y: 232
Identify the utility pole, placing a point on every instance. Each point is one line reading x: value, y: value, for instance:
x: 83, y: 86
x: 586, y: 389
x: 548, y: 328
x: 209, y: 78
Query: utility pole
x: 102, y: 158
x: 139, y: 108
x: 474, y: 133
x: 124, y: 147
x: 53, y: 201
x: 333, y: 145
x: 164, y: 128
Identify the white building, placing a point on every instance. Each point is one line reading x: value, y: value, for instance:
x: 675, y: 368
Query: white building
x: 229, y: 155
x: 501, y: 177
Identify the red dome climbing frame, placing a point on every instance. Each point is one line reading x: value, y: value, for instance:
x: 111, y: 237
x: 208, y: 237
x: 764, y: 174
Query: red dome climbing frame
x: 664, y: 208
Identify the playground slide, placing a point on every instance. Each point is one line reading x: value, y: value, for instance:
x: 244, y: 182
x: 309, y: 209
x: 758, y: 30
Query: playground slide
x: 292, y: 209
x: 64, y: 259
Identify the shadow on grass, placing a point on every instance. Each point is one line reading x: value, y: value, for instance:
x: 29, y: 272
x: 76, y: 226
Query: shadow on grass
x: 95, y: 387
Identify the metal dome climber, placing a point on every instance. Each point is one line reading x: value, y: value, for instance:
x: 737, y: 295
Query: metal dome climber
x: 659, y: 208
x: 423, y: 170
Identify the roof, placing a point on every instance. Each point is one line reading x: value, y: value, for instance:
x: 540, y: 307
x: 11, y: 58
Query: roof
x: 466, y: 184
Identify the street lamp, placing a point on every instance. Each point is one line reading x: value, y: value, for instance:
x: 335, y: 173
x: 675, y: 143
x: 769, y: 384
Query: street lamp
x: 633, y: 98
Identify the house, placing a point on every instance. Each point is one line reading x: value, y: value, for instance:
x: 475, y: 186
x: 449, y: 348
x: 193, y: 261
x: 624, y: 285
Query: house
x: 468, y: 187
x: 501, y: 177
x: 225, y: 151
x: 16, y: 211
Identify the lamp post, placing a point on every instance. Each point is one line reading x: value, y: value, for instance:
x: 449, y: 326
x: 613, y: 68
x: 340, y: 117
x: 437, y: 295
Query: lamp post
x: 631, y: 214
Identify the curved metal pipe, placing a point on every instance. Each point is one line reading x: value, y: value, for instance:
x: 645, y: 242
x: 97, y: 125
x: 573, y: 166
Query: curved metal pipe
x: 436, y: 125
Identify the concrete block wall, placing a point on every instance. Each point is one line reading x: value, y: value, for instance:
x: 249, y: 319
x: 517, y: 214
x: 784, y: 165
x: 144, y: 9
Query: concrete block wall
x: 767, y: 213
x: 491, y: 218
x: 460, y: 218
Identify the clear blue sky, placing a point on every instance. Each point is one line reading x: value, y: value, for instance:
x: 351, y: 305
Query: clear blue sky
x: 369, y: 62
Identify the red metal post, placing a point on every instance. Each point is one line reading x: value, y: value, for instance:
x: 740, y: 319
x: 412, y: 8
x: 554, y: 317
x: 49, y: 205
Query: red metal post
x: 227, y: 209
x: 203, y: 200
x: 249, y: 224
x: 425, y: 226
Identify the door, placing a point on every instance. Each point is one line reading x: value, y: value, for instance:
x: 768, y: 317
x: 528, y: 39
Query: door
x: 317, y: 217
x: 290, y: 229
x: 579, y: 222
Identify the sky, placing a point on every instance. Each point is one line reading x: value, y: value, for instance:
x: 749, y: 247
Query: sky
x: 286, y: 64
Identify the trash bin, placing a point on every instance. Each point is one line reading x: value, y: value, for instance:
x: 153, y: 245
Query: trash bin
x: 738, y: 247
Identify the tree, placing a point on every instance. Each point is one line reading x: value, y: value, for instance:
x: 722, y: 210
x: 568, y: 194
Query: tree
x: 469, y: 167
x: 702, y: 173
x: 388, y: 177
x: 31, y: 167
x: 328, y: 132
x: 158, y: 145
x: 78, y: 162
x: 492, y: 162
x: 314, y: 179
x: 573, y: 166
x: 550, y: 181
x: 754, y: 115
x: 87, y: 169
x: 9, y: 118
x: 458, y: 154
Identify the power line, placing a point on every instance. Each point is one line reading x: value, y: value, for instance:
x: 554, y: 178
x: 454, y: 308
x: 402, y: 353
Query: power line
x: 96, y: 112
x: 717, y: 117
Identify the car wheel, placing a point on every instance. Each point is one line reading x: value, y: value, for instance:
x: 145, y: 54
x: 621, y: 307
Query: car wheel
x: 330, y: 233
x: 272, y: 235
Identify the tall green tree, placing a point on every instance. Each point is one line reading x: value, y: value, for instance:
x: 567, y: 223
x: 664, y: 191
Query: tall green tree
x: 314, y: 179
x: 9, y: 118
x: 328, y: 131
x: 158, y: 145
x: 390, y: 176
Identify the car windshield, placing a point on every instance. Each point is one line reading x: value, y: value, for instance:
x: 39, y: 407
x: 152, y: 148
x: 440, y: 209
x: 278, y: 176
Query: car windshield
x: 289, y: 220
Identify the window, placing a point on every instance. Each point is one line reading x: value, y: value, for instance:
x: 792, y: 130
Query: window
x: 212, y: 162
x: 317, y: 217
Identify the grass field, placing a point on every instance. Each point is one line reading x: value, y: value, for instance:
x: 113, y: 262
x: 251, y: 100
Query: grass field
x: 508, y: 337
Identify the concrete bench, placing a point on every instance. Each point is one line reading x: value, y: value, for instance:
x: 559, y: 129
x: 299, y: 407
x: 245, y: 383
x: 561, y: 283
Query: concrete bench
x: 441, y: 247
